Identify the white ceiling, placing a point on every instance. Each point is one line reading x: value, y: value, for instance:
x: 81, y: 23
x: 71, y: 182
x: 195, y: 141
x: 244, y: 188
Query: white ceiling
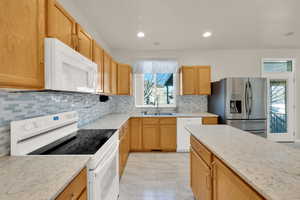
x: 179, y: 24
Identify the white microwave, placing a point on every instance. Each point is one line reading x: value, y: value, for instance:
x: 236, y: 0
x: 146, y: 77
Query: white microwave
x: 68, y: 70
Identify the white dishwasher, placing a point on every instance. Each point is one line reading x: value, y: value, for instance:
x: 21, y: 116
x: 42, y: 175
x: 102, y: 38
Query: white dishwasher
x: 183, y: 136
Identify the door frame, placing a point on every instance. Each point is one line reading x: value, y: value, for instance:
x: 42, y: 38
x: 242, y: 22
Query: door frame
x: 290, y: 77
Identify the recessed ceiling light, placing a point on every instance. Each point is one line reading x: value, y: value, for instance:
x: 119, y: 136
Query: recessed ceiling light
x: 141, y: 34
x: 156, y: 43
x: 289, y: 34
x: 207, y: 34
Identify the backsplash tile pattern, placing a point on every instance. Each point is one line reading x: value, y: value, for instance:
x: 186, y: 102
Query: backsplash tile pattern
x: 186, y: 104
x: 18, y: 106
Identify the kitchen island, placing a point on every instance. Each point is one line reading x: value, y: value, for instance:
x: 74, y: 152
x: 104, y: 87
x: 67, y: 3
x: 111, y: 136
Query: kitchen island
x: 269, y: 170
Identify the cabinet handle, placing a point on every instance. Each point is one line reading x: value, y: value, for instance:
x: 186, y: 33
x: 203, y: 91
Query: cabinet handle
x: 213, y: 168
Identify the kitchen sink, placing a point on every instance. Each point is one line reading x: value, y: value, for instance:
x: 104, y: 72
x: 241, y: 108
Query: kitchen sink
x: 159, y: 114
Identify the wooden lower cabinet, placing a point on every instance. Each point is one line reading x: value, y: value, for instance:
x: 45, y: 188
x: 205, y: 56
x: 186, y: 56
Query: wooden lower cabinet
x: 200, y: 178
x: 76, y: 189
x: 168, y: 137
x: 216, y: 181
x: 136, y: 143
x: 228, y: 186
x: 124, y: 147
x: 151, y: 137
x: 209, y: 120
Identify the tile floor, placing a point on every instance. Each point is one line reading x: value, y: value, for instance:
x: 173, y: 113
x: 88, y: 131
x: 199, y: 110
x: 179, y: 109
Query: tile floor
x: 156, y: 176
x: 295, y: 145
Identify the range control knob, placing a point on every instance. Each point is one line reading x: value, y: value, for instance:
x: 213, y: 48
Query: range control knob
x: 29, y: 126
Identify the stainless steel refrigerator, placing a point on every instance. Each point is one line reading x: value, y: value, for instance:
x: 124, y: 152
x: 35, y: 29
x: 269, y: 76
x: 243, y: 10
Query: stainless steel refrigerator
x: 241, y: 102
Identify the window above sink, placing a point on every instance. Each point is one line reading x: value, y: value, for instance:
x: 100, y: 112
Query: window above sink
x: 155, y: 90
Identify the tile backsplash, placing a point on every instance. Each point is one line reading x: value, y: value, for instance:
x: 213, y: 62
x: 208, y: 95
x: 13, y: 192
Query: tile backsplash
x: 186, y: 104
x: 18, y: 106
x: 24, y: 105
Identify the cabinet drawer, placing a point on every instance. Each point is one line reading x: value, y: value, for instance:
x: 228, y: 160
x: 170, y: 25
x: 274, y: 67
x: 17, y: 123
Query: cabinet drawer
x: 209, y: 120
x: 75, y: 188
x: 150, y: 120
x: 167, y: 120
x: 201, y: 150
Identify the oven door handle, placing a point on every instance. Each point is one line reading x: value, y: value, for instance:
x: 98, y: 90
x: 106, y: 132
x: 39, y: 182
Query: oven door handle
x: 102, y: 165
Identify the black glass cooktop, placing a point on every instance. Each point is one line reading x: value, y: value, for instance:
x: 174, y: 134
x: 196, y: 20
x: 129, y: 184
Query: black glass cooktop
x: 85, y: 141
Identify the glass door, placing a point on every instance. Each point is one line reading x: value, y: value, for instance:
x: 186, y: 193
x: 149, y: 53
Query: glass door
x: 280, y: 101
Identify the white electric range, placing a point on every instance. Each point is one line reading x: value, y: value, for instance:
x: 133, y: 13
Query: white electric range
x: 59, y: 135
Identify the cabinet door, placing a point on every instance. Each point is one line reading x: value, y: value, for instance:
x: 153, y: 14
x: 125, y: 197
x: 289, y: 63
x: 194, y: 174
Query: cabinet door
x: 85, y: 42
x: 151, y: 139
x: 107, y: 73
x: 60, y: 24
x: 122, y: 150
x: 200, y: 177
x: 188, y: 76
x: 136, y: 134
x: 98, y: 58
x: 124, y: 79
x: 203, y: 82
x: 22, y: 27
x: 228, y: 186
x: 114, y: 71
x: 168, y: 137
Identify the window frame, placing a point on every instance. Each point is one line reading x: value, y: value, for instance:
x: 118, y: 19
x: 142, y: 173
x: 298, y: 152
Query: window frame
x: 160, y: 105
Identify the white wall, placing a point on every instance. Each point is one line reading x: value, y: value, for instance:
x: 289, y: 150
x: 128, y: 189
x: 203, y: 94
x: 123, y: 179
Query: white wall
x: 80, y: 18
x: 225, y: 63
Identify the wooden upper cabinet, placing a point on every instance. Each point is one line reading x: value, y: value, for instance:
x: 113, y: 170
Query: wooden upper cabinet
x: 188, y: 84
x: 107, y: 73
x: 228, y: 186
x: 85, y: 42
x: 22, y: 35
x: 114, y: 76
x: 124, y: 79
x: 195, y: 80
x: 98, y: 58
x: 200, y: 177
x: 203, y: 80
x: 60, y: 24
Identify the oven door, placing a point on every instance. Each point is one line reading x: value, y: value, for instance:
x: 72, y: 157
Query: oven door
x: 104, y: 179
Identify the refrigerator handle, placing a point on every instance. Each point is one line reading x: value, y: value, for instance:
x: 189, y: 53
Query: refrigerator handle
x: 246, y: 98
x: 250, y: 98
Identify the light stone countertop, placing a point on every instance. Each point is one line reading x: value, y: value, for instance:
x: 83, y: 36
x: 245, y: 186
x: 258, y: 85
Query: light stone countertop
x: 115, y: 121
x: 271, y: 168
x: 37, y: 177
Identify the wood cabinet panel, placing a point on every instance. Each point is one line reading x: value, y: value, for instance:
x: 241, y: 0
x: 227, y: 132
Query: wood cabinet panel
x: 76, y: 187
x: 151, y: 138
x: 168, y: 137
x: 124, y: 147
x: 107, y: 73
x: 204, y: 79
x: 98, y: 58
x: 200, y: 177
x: 114, y: 77
x: 124, y: 83
x: 60, y: 24
x: 85, y: 42
x: 188, y: 81
x: 195, y: 80
x: 150, y: 120
x: 167, y: 120
x: 22, y: 35
x: 136, y: 134
x: 202, y: 151
x: 83, y: 196
x: 209, y: 120
x: 228, y: 186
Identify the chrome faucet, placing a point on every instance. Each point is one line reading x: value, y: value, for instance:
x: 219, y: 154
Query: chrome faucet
x: 157, y: 105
